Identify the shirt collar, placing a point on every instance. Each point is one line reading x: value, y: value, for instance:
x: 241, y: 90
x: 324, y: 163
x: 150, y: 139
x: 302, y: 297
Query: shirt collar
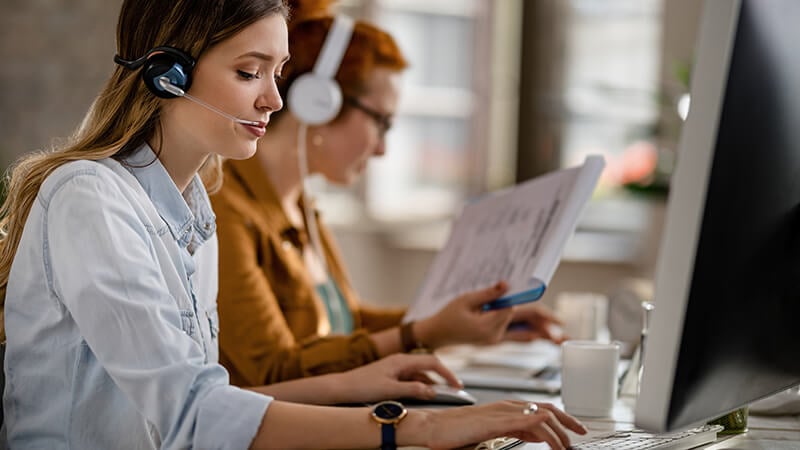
x: 189, y: 215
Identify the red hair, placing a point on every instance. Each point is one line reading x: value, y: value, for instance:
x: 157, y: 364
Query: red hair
x: 301, y: 10
x: 370, y: 48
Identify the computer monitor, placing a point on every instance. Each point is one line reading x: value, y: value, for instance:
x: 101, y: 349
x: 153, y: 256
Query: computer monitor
x: 726, y: 325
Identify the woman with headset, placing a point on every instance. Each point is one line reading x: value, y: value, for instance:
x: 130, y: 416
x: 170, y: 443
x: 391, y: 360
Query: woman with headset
x: 287, y: 308
x: 108, y: 266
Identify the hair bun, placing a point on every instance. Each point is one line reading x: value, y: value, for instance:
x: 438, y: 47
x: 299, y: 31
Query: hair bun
x: 301, y: 10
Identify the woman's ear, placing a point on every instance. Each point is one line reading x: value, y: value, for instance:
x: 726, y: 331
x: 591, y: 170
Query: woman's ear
x: 317, y: 140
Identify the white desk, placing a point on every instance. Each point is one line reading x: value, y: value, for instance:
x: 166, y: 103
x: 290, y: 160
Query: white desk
x: 782, y: 432
x: 765, y: 433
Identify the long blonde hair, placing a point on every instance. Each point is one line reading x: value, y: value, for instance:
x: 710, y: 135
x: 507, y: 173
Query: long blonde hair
x: 125, y: 114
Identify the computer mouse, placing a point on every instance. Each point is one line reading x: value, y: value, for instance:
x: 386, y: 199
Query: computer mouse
x: 448, y: 395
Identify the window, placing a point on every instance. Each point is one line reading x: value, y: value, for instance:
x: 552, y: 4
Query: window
x: 501, y: 91
x: 611, y: 77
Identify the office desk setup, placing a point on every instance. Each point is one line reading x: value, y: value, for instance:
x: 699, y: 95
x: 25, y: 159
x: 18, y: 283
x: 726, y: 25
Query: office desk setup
x: 781, y: 432
x: 764, y: 432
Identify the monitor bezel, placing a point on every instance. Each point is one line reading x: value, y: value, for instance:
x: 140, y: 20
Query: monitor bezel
x: 685, y: 205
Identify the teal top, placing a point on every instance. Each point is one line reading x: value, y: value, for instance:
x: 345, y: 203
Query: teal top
x: 339, y: 314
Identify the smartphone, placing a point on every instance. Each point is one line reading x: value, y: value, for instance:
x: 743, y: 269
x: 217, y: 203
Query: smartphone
x: 534, y: 293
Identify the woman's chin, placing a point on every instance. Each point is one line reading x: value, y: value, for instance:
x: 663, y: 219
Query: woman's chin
x: 352, y: 177
x: 243, y: 153
x: 355, y: 173
x: 344, y: 180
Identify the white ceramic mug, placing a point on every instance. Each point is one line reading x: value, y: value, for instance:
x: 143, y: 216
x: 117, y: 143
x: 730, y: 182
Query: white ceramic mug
x: 589, y: 377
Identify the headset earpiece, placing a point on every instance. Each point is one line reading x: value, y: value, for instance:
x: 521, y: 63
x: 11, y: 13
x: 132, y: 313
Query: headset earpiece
x: 315, y: 97
x: 159, y: 62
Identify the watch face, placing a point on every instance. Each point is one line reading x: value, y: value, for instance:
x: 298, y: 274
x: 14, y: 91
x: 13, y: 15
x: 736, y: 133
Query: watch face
x: 389, y: 411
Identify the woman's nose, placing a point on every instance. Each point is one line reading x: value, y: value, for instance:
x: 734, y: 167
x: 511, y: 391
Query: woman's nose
x: 270, y: 99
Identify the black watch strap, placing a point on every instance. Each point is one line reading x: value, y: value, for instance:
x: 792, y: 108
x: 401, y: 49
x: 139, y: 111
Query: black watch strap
x: 388, y: 441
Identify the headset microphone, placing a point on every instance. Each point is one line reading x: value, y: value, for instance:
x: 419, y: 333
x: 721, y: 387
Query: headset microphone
x: 165, y: 83
x: 167, y: 73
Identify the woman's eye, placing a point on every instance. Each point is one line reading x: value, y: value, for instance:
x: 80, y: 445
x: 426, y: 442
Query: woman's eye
x: 278, y: 77
x: 248, y: 75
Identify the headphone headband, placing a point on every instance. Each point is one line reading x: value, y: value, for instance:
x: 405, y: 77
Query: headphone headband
x: 128, y: 64
x: 336, y: 42
x: 136, y: 63
x: 315, y: 97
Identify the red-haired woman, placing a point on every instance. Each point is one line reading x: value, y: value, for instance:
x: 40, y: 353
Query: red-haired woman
x: 285, y: 312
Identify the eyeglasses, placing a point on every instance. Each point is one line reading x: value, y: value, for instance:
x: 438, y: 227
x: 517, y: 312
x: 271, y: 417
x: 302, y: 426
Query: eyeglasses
x: 383, y: 121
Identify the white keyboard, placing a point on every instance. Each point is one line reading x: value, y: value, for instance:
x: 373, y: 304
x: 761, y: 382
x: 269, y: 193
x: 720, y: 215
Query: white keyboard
x: 640, y: 440
x: 632, y: 440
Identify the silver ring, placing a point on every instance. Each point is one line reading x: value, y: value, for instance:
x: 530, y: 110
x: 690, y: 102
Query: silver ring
x: 530, y: 408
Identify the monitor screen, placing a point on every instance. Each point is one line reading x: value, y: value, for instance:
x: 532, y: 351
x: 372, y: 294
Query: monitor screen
x: 726, y: 325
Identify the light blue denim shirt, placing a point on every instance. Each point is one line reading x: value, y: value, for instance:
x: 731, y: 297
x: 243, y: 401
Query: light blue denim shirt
x: 111, y: 317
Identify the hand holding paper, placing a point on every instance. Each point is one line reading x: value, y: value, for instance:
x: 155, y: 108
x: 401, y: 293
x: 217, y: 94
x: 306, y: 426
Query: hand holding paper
x: 516, y: 234
x: 462, y: 320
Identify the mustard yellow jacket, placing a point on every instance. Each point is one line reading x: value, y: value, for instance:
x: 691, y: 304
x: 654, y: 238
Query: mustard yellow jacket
x: 273, y: 325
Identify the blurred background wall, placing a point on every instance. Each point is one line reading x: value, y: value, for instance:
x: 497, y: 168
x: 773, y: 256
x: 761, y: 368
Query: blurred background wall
x: 55, y: 57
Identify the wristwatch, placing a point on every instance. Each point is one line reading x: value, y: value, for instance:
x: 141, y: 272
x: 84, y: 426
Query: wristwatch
x: 388, y: 414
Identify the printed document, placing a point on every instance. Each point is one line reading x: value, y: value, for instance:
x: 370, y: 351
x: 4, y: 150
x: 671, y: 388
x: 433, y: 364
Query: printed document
x: 516, y: 235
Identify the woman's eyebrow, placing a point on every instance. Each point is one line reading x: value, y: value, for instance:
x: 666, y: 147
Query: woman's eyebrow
x: 262, y: 56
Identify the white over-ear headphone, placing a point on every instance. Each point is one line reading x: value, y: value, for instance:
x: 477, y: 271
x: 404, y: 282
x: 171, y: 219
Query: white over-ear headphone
x: 315, y: 97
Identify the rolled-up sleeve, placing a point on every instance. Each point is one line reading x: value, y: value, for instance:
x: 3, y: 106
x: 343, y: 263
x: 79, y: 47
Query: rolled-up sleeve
x: 128, y: 315
x: 223, y: 406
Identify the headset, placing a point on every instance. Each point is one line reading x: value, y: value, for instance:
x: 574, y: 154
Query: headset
x: 167, y: 73
x: 315, y: 97
x: 163, y: 62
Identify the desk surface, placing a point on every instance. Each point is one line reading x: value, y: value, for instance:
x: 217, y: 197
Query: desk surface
x: 778, y: 433
x: 764, y: 432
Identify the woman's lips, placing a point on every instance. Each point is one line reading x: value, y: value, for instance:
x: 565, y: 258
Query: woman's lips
x: 257, y: 131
